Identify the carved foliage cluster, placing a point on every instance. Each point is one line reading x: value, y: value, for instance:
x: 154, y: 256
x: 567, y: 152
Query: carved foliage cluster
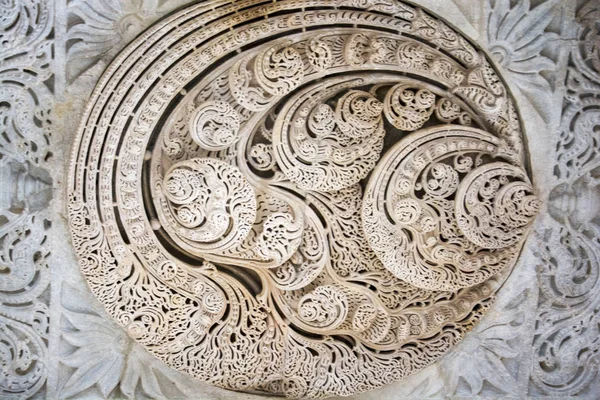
x: 442, y: 217
x: 258, y: 208
x: 99, y: 354
x: 523, y: 37
x: 25, y: 139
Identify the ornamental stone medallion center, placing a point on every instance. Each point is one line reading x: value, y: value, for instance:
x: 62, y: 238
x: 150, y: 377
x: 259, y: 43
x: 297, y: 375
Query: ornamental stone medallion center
x: 305, y: 200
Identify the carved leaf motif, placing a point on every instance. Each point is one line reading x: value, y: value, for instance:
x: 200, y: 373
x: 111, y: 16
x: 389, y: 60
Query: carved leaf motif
x: 487, y: 350
x: 104, y: 27
x: 517, y: 38
x: 106, y: 358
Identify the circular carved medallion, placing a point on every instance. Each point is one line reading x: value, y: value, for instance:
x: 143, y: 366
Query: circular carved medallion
x: 307, y: 198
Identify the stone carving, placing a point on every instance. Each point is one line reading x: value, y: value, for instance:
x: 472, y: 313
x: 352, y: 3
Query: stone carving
x: 442, y: 217
x: 491, y: 350
x: 521, y: 40
x: 96, y: 31
x: 24, y: 318
x: 215, y: 125
x: 261, y: 210
x: 566, y: 356
x: 325, y: 150
x: 494, y: 349
x: 407, y: 109
x: 101, y: 355
x: 23, y: 25
x: 25, y: 191
x: 207, y: 203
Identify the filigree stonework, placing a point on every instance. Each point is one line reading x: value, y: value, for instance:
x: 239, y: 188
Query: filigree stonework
x: 566, y: 346
x: 26, y: 122
x: 308, y: 199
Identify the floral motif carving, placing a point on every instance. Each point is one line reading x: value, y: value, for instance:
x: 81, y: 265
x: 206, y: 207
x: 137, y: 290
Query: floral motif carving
x: 491, y: 349
x: 229, y: 187
x: 97, y: 30
x: 521, y: 39
x: 101, y: 355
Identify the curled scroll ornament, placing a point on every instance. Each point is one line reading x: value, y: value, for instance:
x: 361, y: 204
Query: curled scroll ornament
x: 261, y: 210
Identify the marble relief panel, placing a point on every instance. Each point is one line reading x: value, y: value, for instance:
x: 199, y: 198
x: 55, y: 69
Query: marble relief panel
x: 309, y: 199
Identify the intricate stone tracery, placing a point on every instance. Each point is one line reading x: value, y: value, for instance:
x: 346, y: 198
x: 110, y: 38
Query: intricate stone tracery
x: 208, y: 203
x: 290, y: 203
x: 565, y: 351
x: 443, y: 211
x: 26, y: 188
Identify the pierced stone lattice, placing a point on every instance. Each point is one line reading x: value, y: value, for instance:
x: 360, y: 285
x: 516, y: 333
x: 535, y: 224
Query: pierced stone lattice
x: 305, y: 204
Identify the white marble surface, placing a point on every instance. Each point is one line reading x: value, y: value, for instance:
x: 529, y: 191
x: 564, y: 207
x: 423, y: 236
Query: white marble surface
x: 540, y: 339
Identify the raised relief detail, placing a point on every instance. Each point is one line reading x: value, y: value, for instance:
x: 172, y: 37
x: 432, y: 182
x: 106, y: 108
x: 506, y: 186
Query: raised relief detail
x: 444, y: 211
x: 306, y: 204
x: 27, y: 48
x: 215, y: 125
x: 565, y: 349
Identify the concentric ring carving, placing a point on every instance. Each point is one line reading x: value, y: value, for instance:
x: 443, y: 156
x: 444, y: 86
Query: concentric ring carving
x: 303, y: 198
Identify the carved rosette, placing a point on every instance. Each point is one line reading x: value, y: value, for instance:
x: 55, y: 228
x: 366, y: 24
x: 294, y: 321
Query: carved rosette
x: 263, y: 211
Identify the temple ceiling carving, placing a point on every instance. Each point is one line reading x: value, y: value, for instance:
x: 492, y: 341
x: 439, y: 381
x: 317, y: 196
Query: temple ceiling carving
x: 306, y: 200
x: 230, y: 199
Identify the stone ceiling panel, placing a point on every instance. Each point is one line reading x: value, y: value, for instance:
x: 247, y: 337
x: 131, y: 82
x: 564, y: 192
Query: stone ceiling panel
x: 308, y: 199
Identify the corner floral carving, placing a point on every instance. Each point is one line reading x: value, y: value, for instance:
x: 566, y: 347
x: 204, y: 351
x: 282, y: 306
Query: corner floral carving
x: 520, y: 39
x: 100, y: 355
x: 487, y: 351
x: 99, y: 29
x: 490, y: 351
